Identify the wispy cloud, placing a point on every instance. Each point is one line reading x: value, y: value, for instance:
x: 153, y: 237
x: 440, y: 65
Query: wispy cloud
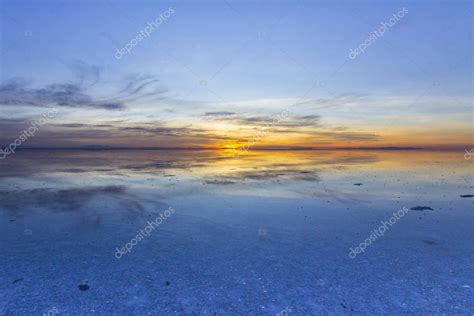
x: 219, y: 114
x: 294, y: 121
x: 19, y: 92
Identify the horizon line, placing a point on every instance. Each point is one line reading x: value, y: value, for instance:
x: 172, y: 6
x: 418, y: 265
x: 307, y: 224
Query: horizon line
x: 275, y: 148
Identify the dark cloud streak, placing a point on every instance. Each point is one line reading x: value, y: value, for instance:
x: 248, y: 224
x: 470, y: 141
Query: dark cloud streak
x: 18, y: 92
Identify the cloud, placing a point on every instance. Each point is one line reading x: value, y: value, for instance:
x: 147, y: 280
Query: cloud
x: 72, y: 125
x: 134, y: 134
x: 68, y: 200
x: 17, y: 92
x: 295, y: 121
x: 138, y: 83
x: 162, y: 130
x: 219, y: 113
x: 347, y: 136
x: 81, y: 200
x: 86, y: 74
x: 154, y: 128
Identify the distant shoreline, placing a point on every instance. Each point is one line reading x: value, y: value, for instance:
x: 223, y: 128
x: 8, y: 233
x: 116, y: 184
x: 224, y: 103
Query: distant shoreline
x: 106, y: 148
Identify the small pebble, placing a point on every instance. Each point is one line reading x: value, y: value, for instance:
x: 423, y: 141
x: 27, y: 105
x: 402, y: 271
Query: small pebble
x: 84, y: 287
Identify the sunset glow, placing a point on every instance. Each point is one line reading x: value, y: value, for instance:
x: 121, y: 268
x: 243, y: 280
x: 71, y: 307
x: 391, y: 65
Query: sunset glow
x: 236, y: 157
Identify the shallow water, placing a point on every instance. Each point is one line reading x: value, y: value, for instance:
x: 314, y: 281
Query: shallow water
x: 267, y: 232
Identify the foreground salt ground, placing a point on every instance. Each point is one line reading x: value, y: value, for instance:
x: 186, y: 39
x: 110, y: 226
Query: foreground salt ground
x: 260, y: 236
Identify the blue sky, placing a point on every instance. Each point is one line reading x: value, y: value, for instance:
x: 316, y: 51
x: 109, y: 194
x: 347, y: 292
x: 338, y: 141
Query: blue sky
x: 250, y: 58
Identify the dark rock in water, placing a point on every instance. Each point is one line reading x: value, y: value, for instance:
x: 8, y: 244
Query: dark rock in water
x: 12, y: 220
x: 467, y: 195
x: 167, y: 283
x: 84, y: 287
x: 421, y: 208
x: 358, y: 184
x: 17, y: 280
x: 430, y: 242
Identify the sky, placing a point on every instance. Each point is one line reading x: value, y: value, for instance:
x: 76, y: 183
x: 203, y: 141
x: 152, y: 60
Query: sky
x: 235, y: 73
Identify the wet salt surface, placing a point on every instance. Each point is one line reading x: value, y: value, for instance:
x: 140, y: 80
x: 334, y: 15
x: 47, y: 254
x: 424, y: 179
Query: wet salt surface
x: 253, y: 235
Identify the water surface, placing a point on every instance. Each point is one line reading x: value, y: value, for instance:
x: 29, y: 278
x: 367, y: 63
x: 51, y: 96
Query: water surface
x: 269, y: 231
